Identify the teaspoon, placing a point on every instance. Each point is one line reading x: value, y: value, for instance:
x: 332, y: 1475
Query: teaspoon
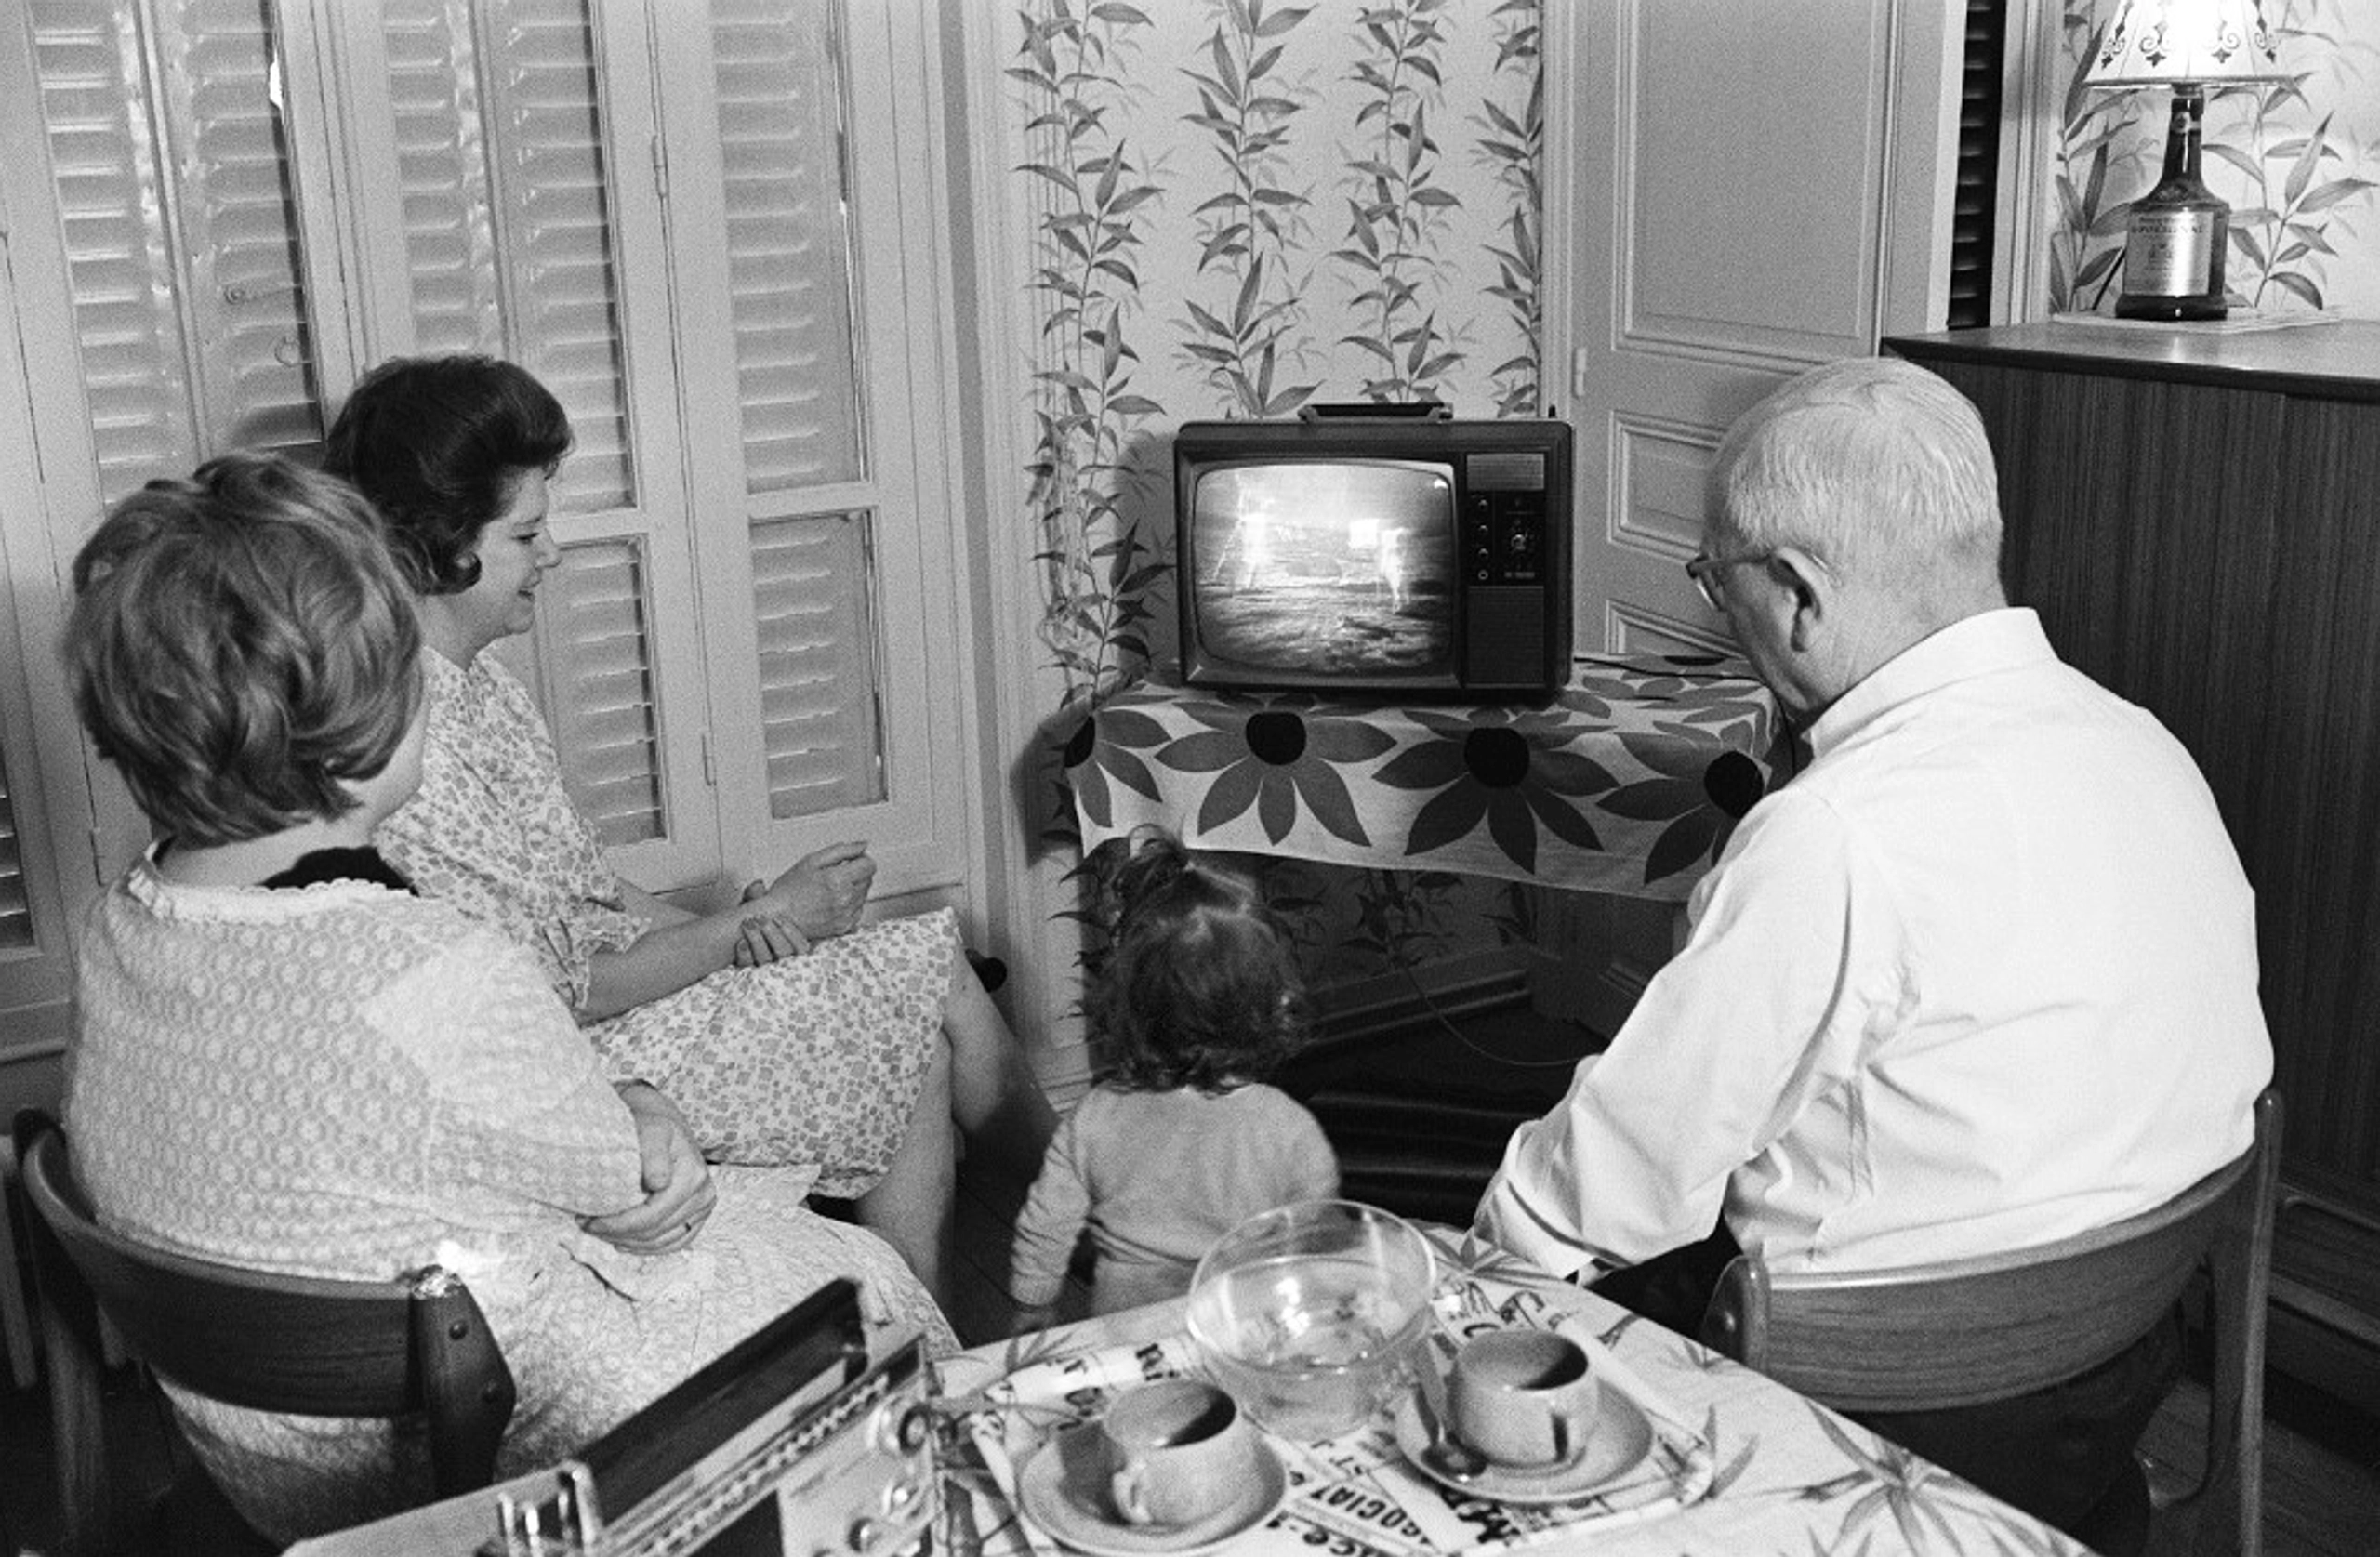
x: 1444, y: 1452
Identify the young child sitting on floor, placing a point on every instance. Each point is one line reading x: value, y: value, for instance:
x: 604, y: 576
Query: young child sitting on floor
x: 1179, y: 1139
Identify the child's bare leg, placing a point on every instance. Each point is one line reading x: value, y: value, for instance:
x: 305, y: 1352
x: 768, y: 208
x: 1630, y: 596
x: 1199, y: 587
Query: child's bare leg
x: 994, y: 1096
x: 911, y: 1208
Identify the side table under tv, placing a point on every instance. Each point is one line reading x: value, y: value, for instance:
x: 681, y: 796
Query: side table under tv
x: 1621, y: 790
x: 2196, y: 515
x: 1626, y: 780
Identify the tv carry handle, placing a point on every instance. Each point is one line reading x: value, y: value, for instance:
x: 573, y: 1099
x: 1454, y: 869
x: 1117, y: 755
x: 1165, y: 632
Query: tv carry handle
x: 1364, y: 410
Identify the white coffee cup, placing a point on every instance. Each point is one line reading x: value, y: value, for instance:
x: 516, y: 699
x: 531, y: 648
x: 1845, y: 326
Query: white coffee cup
x: 1176, y: 1452
x: 1524, y: 1398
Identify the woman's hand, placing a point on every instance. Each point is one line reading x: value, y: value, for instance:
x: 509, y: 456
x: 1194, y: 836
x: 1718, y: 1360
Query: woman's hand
x: 679, y: 1196
x: 822, y: 893
x: 767, y: 937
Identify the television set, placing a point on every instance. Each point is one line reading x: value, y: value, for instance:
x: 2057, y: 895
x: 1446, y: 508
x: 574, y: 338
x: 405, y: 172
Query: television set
x: 1375, y: 551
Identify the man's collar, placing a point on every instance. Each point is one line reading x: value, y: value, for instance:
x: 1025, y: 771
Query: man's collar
x: 1978, y: 645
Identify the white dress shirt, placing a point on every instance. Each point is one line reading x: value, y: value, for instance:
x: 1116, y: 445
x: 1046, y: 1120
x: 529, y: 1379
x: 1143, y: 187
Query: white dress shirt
x: 1983, y: 976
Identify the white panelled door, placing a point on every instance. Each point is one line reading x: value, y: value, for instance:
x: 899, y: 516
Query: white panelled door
x: 1735, y: 191
x: 1741, y: 191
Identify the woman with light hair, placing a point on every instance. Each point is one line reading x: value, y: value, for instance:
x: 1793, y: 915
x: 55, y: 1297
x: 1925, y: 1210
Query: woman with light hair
x: 285, y: 1059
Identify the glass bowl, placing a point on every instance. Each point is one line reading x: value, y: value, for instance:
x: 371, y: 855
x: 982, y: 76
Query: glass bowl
x: 1308, y: 1312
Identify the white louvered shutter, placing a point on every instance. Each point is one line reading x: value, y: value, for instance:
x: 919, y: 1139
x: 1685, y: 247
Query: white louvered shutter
x: 805, y: 443
x: 811, y: 586
x: 16, y: 906
x: 797, y: 398
x: 512, y: 219
x: 788, y: 244
x: 172, y: 189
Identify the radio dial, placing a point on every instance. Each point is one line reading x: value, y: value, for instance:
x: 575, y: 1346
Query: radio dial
x: 901, y: 1432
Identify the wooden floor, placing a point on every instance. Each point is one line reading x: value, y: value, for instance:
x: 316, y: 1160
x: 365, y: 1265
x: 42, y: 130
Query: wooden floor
x: 2322, y: 1469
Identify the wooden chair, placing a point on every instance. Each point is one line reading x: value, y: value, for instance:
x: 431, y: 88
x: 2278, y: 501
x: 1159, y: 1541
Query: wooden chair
x: 1963, y: 1332
x: 305, y: 1345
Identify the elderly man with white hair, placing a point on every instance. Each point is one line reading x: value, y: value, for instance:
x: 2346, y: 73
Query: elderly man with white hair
x: 1982, y: 976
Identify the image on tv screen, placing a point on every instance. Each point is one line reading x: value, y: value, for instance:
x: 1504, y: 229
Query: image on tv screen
x: 1339, y: 567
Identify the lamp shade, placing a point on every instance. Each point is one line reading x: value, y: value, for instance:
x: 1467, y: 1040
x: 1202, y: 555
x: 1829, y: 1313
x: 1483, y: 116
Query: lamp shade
x: 2163, y: 43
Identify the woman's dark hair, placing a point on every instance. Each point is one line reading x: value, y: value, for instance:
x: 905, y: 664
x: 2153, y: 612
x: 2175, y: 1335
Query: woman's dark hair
x: 242, y: 648
x: 436, y: 443
x: 1198, y: 987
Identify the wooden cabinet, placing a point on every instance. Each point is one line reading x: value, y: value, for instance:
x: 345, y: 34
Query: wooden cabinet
x: 2197, y: 518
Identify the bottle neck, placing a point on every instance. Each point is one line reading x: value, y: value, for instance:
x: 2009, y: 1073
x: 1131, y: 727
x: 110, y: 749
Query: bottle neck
x: 2182, y: 134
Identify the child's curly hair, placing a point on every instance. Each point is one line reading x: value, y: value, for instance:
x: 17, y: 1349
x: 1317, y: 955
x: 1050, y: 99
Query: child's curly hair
x: 1198, y: 988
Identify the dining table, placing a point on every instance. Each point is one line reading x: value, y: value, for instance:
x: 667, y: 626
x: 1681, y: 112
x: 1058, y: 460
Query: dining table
x: 1704, y: 1458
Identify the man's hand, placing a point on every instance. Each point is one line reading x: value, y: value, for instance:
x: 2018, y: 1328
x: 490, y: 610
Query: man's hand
x: 679, y: 1196
x: 823, y: 891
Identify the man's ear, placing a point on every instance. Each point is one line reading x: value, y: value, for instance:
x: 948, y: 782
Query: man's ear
x: 1813, y: 590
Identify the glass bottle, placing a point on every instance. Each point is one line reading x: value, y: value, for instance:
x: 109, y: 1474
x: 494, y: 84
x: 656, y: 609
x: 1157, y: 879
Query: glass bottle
x: 2172, y: 263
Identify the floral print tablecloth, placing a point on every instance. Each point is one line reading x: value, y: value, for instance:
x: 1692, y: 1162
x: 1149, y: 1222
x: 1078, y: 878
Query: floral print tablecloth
x: 1740, y: 1464
x: 1627, y: 781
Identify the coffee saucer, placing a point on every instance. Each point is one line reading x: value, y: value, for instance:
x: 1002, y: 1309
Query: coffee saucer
x: 1072, y: 1507
x: 1620, y: 1441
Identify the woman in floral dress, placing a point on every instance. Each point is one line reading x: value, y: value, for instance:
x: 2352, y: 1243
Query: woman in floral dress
x: 788, y: 1034
x: 285, y: 1059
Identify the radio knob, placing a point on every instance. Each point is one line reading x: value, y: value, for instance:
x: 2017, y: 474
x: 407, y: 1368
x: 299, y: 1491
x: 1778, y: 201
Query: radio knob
x: 865, y: 1532
x: 903, y: 1433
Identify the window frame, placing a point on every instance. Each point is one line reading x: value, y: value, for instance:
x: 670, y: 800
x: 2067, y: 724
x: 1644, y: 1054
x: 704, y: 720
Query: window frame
x: 81, y: 827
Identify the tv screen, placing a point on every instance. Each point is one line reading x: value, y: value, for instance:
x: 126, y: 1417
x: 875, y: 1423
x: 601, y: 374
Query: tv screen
x: 1371, y: 551
x: 1328, y: 567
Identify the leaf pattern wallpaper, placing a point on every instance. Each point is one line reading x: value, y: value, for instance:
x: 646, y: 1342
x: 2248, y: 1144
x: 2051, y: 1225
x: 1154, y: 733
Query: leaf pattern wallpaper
x: 1239, y: 208
x: 2298, y: 160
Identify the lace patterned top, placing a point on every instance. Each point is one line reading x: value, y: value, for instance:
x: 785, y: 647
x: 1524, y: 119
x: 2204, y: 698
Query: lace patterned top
x: 346, y: 1080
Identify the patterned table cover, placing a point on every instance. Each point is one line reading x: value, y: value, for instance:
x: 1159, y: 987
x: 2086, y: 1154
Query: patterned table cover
x: 1628, y: 781
x: 1740, y: 1464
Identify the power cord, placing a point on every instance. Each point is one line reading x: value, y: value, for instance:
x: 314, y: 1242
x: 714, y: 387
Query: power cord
x: 1438, y: 1014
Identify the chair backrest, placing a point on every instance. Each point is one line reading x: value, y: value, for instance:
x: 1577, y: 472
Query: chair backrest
x: 1965, y: 1331
x: 305, y: 1345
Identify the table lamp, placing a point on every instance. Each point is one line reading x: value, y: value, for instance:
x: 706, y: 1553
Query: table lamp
x: 2172, y: 262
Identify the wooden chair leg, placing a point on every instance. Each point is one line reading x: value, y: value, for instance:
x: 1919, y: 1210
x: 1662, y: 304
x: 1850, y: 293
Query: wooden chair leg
x: 16, y: 1315
x: 78, y: 1438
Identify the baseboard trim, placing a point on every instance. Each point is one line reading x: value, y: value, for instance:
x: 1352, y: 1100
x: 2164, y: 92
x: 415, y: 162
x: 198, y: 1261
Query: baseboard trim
x: 2324, y: 1344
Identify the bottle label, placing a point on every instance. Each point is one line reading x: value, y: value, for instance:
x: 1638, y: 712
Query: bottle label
x: 2172, y: 252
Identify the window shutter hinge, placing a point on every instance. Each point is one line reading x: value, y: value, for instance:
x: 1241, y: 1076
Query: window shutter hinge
x: 711, y: 771
x: 660, y: 170
x: 1578, y: 372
